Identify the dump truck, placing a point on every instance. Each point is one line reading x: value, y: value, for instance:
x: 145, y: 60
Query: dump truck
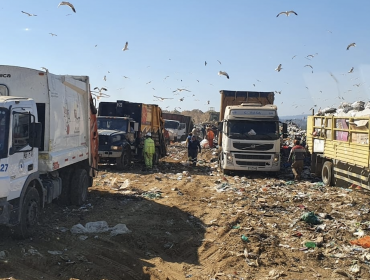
x: 48, y: 143
x: 185, y: 127
x: 122, y: 126
x: 339, y: 148
x: 249, y: 135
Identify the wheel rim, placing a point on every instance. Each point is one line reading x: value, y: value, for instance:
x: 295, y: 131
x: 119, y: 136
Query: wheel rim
x: 32, y: 213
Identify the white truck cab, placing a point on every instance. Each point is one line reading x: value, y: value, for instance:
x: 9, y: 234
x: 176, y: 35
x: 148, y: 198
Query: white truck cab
x: 172, y: 127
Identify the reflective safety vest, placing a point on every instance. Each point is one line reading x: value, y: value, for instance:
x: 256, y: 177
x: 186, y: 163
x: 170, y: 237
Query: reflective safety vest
x: 149, y: 146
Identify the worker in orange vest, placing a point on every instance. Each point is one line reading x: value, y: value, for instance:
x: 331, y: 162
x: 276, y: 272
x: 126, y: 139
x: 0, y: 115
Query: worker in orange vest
x: 210, y: 137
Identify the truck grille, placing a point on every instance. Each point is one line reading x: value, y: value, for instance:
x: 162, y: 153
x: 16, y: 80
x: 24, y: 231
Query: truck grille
x: 251, y: 146
x: 262, y: 157
x: 248, y: 163
x: 104, y: 143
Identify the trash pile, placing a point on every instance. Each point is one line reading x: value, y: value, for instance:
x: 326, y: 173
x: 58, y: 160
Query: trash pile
x: 356, y: 109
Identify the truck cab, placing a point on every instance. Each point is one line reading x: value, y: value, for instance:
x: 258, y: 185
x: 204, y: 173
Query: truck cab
x: 117, y: 137
x: 172, y: 127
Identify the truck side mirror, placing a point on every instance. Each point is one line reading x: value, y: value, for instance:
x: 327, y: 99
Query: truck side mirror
x: 219, y: 126
x: 136, y: 126
x: 35, y: 135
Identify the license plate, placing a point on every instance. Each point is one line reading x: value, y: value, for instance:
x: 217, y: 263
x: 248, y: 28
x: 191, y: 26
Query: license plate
x: 252, y: 168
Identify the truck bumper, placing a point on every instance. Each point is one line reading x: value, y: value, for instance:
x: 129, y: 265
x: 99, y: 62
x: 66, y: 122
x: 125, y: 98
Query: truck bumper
x: 109, y: 154
x: 251, y: 162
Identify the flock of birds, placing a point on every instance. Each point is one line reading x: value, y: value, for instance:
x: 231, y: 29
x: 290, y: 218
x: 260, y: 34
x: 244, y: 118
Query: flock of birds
x: 101, y: 92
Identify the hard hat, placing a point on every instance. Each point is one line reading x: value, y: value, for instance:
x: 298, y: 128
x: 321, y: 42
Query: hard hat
x: 149, y: 134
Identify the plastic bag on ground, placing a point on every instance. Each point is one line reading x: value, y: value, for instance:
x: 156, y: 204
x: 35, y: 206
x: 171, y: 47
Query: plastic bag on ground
x: 204, y: 143
x: 119, y: 229
x: 364, y: 242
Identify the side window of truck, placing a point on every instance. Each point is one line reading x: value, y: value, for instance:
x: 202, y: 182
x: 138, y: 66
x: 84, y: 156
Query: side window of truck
x: 20, y: 130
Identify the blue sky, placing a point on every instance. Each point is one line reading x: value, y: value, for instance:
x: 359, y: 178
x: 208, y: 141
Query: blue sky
x: 175, y: 38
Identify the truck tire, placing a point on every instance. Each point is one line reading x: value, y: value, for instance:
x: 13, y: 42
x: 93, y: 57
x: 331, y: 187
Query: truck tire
x: 124, y: 161
x: 29, y: 215
x: 65, y: 197
x: 80, y: 183
x: 327, y: 173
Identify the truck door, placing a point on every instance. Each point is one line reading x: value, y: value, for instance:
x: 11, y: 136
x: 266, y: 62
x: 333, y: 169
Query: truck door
x: 182, y: 131
x: 22, y: 159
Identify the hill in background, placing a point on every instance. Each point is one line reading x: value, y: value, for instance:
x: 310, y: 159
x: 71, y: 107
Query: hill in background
x: 199, y: 116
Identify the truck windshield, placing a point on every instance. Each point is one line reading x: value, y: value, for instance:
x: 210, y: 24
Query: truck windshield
x: 253, y: 130
x: 171, y: 124
x: 113, y: 124
x: 4, y: 129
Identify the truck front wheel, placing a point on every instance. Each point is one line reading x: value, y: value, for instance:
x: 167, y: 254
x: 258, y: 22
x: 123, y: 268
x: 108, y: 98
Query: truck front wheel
x: 29, y: 214
x: 327, y: 173
x: 124, y: 161
x: 80, y: 183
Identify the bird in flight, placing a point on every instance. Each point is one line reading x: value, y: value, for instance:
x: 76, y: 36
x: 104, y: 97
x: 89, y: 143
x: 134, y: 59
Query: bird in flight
x: 278, y: 68
x: 181, y: 99
x: 52, y: 34
x: 223, y: 73
x: 205, y: 63
x: 351, y: 70
x: 176, y: 108
x: 294, y: 56
x: 181, y: 89
x: 149, y: 82
x: 287, y: 13
x: 67, y: 4
x: 351, y: 45
x: 125, y: 48
x: 208, y: 102
x: 28, y: 14
x: 100, y: 89
x: 309, y: 66
x: 279, y: 92
x: 126, y: 77
x: 219, y: 61
x: 105, y: 78
x: 161, y: 98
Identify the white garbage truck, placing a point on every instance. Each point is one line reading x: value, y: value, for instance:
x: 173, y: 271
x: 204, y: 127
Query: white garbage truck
x: 249, y: 132
x: 48, y: 143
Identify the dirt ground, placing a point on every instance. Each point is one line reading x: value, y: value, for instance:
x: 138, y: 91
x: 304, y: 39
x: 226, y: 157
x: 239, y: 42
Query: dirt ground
x: 194, y: 223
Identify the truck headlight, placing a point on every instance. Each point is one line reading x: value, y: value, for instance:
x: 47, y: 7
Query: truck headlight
x: 229, y: 157
x: 116, y: 148
x: 276, y: 158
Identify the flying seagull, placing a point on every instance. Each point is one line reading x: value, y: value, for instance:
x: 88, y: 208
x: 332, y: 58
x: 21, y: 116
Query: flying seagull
x: 126, y: 77
x: 208, y: 102
x: 351, y: 45
x: 309, y: 66
x: 223, y: 73
x: 28, y: 14
x: 287, y: 13
x: 67, y: 4
x: 181, y: 89
x: 294, y: 56
x: 350, y: 71
x: 52, y: 34
x: 205, y: 63
x: 161, y: 98
x: 125, y: 47
x: 100, y: 89
x: 278, y: 68
x: 181, y: 99
x: 219, y: 61
x: 105, y: 78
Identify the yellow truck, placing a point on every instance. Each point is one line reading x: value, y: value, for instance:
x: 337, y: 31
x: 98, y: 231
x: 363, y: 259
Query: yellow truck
x: 339, y: 147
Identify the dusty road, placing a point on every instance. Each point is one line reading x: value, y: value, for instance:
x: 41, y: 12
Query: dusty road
x: 194, y: 223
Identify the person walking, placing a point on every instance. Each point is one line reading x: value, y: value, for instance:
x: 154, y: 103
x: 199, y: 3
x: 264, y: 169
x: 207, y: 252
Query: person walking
x: 149, y: 151
x: 193, y: 148
x: 210, y: 137
x: 297, y: 155
x: 188, y: 139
